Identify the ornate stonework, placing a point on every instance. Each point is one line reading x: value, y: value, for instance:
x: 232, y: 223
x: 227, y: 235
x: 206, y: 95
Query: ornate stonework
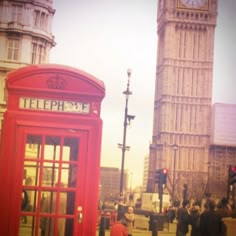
x: 182, y: 107
x: 25, y: 38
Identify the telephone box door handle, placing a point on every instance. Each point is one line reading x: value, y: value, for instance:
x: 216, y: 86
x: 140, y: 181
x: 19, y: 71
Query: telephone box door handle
x: 80, y: 218
x: 80, y: 215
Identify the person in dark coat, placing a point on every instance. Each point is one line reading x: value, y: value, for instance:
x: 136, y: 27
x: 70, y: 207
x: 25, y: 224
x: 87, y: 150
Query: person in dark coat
x: 170, y: 214
x: 223, y: 210
x: 210, y: 220
x: 183, y: 219
x: 195, y: 220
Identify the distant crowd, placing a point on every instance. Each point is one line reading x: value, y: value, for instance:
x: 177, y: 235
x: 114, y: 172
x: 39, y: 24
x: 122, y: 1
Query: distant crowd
x: 200, y: 218
x: 203, y: 222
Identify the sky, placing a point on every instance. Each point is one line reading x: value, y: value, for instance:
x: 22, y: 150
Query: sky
x: 105, y: 38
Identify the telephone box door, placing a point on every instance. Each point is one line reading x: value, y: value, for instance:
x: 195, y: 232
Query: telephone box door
x: 51, y: 179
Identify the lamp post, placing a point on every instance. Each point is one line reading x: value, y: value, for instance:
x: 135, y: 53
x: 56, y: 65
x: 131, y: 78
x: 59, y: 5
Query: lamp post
x: 127, y: 119
x: 207, y: 188
x: 175, y: 147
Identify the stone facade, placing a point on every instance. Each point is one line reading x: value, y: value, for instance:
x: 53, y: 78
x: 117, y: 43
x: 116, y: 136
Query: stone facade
x: 25, y: 37
x: 183, y: 96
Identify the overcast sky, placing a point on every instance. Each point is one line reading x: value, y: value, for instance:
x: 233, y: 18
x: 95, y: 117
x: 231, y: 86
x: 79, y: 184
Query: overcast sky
x: 105, y: 38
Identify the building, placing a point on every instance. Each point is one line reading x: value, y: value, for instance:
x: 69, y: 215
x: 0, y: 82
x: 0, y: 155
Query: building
x: 222, y: 148
x: 110, y: 183
x: 145, y: 172
x: 25, y: 37
x: 183, y: 94
x: 188, y: 136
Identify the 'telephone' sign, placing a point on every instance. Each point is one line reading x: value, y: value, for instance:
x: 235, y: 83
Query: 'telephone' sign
x: 54, y: 105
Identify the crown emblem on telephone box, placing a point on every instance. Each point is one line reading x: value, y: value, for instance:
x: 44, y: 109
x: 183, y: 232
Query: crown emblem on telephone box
x: 56, y: 82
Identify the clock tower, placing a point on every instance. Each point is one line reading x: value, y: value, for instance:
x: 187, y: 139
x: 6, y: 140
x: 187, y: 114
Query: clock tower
x: 183, y: 95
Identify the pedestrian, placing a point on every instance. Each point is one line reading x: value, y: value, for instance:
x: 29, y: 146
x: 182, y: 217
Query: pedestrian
x: 119, y: 228
x: 210, y: 224
x: 183, y: 219
x: 195, y: 220
x: 129, y: 217
x: 223, y: 210
x: 104, y: 205
x: 116, y: 205
x: 170, y: 214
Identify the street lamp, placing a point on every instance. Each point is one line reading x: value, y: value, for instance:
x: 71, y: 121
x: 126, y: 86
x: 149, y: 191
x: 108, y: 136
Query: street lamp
x: 127, y: 119
x: 175, y: 148
x: 207, y: 188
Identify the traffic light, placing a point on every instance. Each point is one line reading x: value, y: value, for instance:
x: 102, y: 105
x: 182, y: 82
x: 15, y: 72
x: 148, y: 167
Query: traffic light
x: 161, y: 176
x: 164, y: 176
x: 232, y: 175
x: 157, y: 176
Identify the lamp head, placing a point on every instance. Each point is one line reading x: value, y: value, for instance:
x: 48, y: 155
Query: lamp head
x: 129, y: 72
x: 130, y: 117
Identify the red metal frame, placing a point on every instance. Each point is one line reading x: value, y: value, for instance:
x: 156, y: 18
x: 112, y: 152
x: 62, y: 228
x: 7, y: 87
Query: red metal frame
x: 44, y: 86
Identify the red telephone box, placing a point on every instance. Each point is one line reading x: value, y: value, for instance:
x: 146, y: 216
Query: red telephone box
x: 50, y: 152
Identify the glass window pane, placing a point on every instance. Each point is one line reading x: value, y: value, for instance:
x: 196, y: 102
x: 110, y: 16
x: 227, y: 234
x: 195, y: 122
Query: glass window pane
x: 72, y: 175
x: 65, y: 174
x: 31, y: 173
x: 50, y: 174
x: 47, y: 226
x: 69, y: 227
x: 48, y: 202
x: 43, y: 225
x: 33, y: 146
x: 27, y: 224
x: 66, y: 153
x: 51, y: 152
x: 70, y: 202
x: 62, y: 203
x: 28, y: 200
x: 71, y: 146
x: 52, y: 148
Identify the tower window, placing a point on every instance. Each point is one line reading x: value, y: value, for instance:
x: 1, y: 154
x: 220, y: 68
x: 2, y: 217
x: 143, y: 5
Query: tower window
x: 43, y: 20
x: 41, y: 53
x: 40, y: 19
x: 36, y: 18
x: 34, y: 53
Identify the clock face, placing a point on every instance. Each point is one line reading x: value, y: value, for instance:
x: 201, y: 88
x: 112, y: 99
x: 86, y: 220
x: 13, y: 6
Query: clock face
x: 194, y: 3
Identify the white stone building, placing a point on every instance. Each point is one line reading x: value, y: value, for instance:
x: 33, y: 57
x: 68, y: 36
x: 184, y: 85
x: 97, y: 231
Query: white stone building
x: 25, y: 37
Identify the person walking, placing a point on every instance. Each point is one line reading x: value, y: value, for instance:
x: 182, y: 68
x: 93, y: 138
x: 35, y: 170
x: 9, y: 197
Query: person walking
x: 183, y: 219
x: 223, y: 210
x: 210, y: 223
x: 170, y: 214
x: 129, y: 217
x: 195, y: 220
